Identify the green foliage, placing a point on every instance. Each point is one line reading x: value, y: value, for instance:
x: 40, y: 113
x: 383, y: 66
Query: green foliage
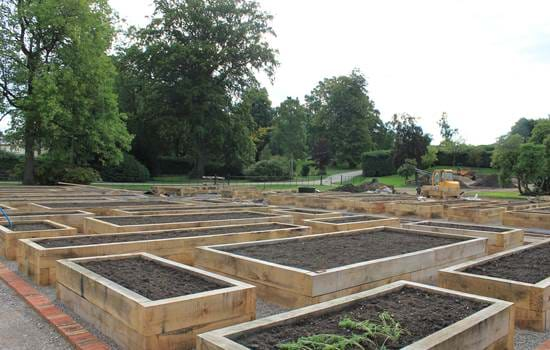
x: 505, y: 157
x: 540, y: 131
x: 530, y: 168
x: 465, y: 155
x: 50, y: 171
x: 430, y: 158
x: 57, y: 80
x: 344, y: 115
x: 305, y: 170
x: 374, y: 334
x: 183, y: 72
x: 378, y: 163
x: 129, y: 170
x: 274, y: 169
x: 80, y: 175
x: 173, y: 166
x: 408, y: 168
x: 289, y: 130
x: 523, y: 127
x: 321, y: 155
x: 410, y: 140
x: 8, y: 161
x: 447, y: 132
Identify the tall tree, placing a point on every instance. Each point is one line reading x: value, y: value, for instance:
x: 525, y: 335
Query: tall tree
x: 447, y: 132
x: 191, y: 62
x: 523, y: 127
x: 56, y: 80
x: 505, y: 157
x: 410, y: 140
x: 289, y: 131
x: 346, y: 117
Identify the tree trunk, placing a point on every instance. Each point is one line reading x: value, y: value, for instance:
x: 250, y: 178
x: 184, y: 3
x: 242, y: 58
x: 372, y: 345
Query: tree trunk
x: 28, y: 173
x: 200, y: 164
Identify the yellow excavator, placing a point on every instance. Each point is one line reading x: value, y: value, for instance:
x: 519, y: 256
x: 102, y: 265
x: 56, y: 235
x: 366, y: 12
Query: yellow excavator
x: 443, y: 185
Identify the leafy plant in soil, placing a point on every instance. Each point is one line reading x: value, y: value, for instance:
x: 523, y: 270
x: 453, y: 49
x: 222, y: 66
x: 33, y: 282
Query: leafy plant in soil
x: 374, y: 336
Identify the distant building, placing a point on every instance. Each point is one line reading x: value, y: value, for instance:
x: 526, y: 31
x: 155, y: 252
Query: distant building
x: 8, y: 147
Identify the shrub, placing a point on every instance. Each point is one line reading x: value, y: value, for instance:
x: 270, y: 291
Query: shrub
x: 174, y: 166
x: 305, y: 170
x: 129, y: 170
x: 80, y: 175
x: 8, y: 162
x: 408, y: 169
x: 51, y: 171
x: 378, y: 163
x: 269, y: 170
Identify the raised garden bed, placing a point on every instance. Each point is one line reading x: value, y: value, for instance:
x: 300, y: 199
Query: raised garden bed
x: 114, y: 224
x: 72, y: 218
x: 307, y: 270
x: 427, y: 210
x: 301, y: 214
x: 532, y: 218
x: 352, y: 222
x: 189, y: 209
x: 422, y: 313
x: 520, y: 275
x: 6, y: 207
x: 145, y: 302
x: 479, y: 214
x: 36, y: 257
x: 28, y: 229
x: 99, y: 207
x: 500, y: 238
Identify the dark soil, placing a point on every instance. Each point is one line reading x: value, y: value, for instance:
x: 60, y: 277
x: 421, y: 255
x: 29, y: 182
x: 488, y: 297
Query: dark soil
x: 463, y: 227
x: 529, y: 266
x: 140, y: 220
x: 347, y: 219
x: 322, y: 253
x: 223, y: 207
x: 305, y: 211
x: 151, y: 279
x: 36, y: 213
x: 29, y: 227
x: 421, y: 313
x: 115, y: 238
x: 102, y: 204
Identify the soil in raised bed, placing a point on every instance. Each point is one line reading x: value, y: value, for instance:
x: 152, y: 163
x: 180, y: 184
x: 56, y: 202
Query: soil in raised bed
x: 115, y: 238
x: 305, y: 211
x: 141, y: 220
x: 529, y: 266
x: 36, y: 213
x: 464, y: 227
x: 210, y: 207
x: 326, y: 252
x: 102, y: 204
x: 419, y: 312
x: 151, y: 279
x: 346, y: 219
x: 29, y: 227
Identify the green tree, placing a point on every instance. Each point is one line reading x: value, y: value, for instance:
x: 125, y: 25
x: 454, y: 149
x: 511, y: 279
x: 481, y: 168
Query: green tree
x: 523, y: 127
x: 408, y: 169
x: 528, y: 168
x: 540, y: 131
x: 188, y: 65
x: 289, y: 130
x: 343, y: 114
x: 56, y: 81
x: 447, y: 132
x: 430, y: 158
x: 410, y: 140
x: 505, y: 157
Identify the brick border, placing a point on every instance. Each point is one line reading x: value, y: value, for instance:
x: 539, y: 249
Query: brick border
x: 77, y: 335
x: 544, y: 346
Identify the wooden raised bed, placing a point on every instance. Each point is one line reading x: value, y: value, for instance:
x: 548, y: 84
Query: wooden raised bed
x: 532, y: 218
x: 426, y: 210
x: 300, y: 215
x: 6, y: 207
x: 190, y: 209
x: 139, y: 316
x: 98, y: 207
x: 489, y: 326
x: 29, y: 229
x: 479, y: 214
x: 72, y: 218
x: 492, y: 276
x: 356, y: 261
x: 116, y: 224
x: 374, y: 205
x: 348, y: 223
x: 500, y: 238
x: 36, y: 257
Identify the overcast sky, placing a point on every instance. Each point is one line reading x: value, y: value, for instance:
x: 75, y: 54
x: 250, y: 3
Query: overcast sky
x: 485, y: 63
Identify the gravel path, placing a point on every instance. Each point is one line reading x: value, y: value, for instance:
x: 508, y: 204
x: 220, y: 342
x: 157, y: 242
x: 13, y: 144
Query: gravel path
x: 529, y: 340
x: 23, y: 329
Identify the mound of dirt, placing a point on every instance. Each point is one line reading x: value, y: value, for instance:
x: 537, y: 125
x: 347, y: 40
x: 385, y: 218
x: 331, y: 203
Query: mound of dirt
x: 366, y: 187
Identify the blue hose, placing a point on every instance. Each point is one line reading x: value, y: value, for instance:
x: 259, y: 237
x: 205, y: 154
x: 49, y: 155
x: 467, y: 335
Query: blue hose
x: 7, y: 217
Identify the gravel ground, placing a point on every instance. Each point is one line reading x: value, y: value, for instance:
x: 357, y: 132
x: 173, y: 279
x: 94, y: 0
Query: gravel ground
x: 529, y: 340
x: 23, y: 329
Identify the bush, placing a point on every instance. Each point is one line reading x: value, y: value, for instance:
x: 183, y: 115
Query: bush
x: 269, y: 170
x: 129, y: 170
x: 408, y: 169
x: 80, y: 175
x: 8, y: 162
x: 469, y: 156
x: 51, y: 171
x: 378, y: 163
x: 305, y: 170
x: 174, y: 166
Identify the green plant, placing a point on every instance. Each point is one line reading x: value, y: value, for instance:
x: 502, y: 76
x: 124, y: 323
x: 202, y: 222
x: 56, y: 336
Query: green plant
x: 129, y: 170
x: 378, y: 163
x: 269, y: 170
x: 374, y: 335
x: 305, y: 170
x: 407, y: 169
x: 80, y: 175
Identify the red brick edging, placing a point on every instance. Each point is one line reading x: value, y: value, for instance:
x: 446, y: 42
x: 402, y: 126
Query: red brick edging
x: 77, y: 335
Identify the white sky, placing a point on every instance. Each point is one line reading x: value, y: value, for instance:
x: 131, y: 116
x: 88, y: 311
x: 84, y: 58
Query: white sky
x: 485, y: 63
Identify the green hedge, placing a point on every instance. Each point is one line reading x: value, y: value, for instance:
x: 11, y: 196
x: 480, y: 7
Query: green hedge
x: 470, y: 156
x: 129, y: 170
x: 378, y: 163
x: 8, y: 162
x: 269, y: 170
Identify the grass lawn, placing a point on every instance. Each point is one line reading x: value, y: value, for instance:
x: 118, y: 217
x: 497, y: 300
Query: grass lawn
x: 390, y: 180
x: 479, y: 171
x: 497, y: 194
